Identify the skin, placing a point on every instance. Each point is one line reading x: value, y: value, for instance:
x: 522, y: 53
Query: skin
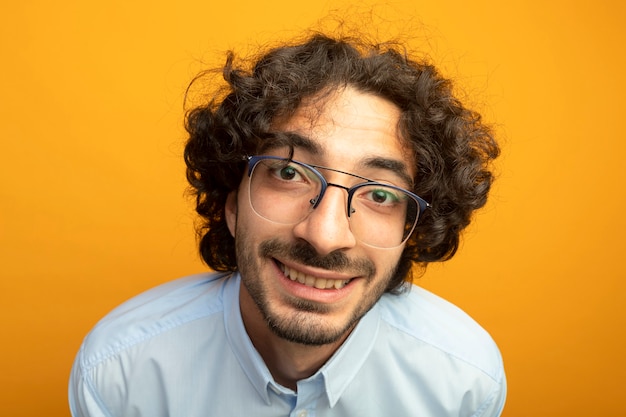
x: 296, y: 327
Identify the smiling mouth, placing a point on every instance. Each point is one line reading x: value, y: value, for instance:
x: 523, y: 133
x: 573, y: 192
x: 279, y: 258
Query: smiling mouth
x: 311, y: 281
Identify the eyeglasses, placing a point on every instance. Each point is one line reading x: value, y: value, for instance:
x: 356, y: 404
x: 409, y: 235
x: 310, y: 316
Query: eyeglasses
x: 285, y: 191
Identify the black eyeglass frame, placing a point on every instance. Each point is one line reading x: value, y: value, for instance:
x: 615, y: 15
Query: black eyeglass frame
x: 422, y: 204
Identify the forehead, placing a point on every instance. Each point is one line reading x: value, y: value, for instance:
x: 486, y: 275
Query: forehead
x: 347, y: 127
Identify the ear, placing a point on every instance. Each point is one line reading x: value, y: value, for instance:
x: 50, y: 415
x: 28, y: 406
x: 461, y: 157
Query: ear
x: 230, y: 211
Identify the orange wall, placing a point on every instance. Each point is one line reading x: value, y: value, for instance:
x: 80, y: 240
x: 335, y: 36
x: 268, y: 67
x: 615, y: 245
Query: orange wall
x: 92, y: 206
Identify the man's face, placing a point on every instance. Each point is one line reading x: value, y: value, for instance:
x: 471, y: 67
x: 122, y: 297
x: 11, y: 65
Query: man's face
x: 311, y: 282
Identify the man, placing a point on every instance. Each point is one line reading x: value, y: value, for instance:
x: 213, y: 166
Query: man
x: 323, y: 174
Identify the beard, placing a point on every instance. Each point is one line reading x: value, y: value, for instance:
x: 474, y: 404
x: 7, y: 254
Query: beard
x: 308, y: 322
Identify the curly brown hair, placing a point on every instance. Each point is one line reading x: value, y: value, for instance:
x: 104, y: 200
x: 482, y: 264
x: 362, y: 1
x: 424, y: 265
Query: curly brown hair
x: 452, y: 146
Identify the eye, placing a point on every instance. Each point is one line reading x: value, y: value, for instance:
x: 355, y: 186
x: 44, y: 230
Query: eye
x: 288, y: 173
x: 382, y: 196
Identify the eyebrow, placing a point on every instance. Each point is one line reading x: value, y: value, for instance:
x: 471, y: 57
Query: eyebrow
x: 297, y: 140
x: 394, y: 165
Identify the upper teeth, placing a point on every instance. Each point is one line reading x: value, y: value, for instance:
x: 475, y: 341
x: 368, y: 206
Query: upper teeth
x: 311, y: 281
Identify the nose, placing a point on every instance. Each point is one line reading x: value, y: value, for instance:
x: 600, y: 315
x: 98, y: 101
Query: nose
x: 327, y: 228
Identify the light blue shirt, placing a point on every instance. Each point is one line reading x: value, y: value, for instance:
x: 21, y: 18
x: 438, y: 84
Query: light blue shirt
x: 181, y: 350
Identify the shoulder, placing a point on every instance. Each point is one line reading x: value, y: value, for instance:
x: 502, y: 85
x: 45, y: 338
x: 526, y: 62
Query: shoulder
x: 152, y: 313
x: 419, y: 317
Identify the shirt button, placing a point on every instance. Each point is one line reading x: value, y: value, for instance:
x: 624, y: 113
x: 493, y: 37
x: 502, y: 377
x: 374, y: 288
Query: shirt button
x: 302, y: 413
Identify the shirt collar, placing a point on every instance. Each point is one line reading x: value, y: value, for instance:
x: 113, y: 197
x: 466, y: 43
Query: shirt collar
x: 338, y: 371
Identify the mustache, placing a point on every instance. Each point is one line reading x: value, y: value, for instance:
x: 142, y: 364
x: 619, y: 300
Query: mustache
x: 302, y: 252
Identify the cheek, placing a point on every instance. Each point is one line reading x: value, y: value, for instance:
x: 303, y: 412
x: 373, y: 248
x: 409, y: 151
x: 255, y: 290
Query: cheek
x: 386, y: 260
x: 244, y: 224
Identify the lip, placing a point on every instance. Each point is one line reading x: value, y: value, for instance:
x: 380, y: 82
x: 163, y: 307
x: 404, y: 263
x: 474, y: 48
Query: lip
x: 325, y: 296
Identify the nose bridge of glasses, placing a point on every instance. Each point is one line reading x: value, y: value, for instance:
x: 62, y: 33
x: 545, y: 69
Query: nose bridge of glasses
x: 326, y: 183
x: 315, y: 201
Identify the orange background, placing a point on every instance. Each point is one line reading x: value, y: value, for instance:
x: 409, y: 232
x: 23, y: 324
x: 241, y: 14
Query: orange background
x: 93, y: 211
